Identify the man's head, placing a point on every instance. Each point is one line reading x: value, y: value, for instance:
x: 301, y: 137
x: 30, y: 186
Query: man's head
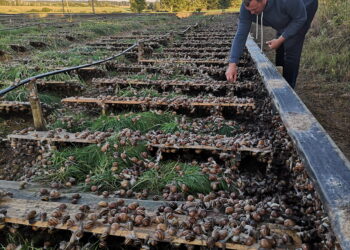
x: 255, y: 7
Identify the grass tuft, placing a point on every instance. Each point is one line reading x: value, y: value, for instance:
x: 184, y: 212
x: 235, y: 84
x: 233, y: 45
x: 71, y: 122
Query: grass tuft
x: 192, y: 177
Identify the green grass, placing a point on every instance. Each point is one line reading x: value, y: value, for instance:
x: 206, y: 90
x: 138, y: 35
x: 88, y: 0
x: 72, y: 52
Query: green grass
x: 21, y: 95
x: 144, y: 121
x: 327, y: 49
x: 90, y: 160
x: 192, y: 177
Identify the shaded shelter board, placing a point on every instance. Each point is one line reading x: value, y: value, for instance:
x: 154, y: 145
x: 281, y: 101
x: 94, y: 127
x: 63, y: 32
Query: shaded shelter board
x: 325, y: 163
x: 123, y: 102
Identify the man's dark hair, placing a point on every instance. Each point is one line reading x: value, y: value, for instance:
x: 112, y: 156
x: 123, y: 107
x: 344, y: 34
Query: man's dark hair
x: 247, y: 2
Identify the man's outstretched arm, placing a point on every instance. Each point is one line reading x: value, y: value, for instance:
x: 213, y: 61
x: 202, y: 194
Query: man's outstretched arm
x: 238, y: 43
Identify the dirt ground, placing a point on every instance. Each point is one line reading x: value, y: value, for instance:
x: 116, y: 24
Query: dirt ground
x: 327, y: 101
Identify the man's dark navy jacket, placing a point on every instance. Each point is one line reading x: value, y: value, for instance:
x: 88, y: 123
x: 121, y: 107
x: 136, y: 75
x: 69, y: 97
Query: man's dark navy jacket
x: 286, y: 16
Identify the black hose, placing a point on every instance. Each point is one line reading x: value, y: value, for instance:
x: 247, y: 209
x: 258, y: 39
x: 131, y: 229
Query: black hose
x: 8, y: 89
x: 51, y: 73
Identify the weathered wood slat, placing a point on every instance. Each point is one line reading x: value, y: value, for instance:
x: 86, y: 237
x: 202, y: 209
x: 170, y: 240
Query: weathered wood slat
x: 212, y: 148
x: 219, y: 62
x: 122, y: 102
x: 17, y: 209
x: 14, y: 104
x: 59, y: 137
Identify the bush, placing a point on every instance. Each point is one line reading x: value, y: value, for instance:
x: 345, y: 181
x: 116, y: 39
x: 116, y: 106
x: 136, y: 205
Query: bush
x: 327, y: 48
x: 45, y: 9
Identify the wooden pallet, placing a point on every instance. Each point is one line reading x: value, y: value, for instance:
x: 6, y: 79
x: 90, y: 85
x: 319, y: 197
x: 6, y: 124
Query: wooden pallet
x: 7, y: 106
x: 212, y: 148
x: 216, y: 62
x: 42, y: 136
x: 62, y: 85
x: 123, y: 102
x: 17, y: 209
x: 165, y: 83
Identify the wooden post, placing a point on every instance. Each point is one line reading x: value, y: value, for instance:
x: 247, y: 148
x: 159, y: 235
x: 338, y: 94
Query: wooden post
x: 141, y: 51
x: 63, y: 6
x: 93, y: 6
x: 171, y: 38
x: 39, y: 122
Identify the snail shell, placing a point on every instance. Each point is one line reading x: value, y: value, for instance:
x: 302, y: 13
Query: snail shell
x: 89, y: 224
x: 133, y: 205
x: 54, y: 194
x: 102, y: 204
x: 56, y: 214
x: 146, y: 221
x: 123, y: 217
x: 52, y: 221
x: 159, y: 235
x: 115, y: 227
x: 92, y: 216
x: 79, y: 216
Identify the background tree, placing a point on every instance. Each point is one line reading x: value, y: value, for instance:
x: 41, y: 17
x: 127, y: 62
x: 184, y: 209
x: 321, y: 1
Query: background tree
x: 212, y: 4
x: 224, y: 4
x: 170, y: 5
x: 137, y: 5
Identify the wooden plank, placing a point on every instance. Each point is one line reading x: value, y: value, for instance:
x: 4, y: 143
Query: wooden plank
x: 325, y: 163
x: 14, y: 104
x: 122, y: 102
x: 17, y: 209
x: 220, y: 62
x: 212, y: 148
x: 58, y: 137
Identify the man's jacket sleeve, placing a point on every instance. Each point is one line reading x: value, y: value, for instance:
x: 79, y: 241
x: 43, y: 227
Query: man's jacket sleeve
x: 240, y: 38
x: 297, y: 12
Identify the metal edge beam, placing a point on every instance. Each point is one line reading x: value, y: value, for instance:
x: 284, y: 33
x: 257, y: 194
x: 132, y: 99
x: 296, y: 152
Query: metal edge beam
x: 325, y: 163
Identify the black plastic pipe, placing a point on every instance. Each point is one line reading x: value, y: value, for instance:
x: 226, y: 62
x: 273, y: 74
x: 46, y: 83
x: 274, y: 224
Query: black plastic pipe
x: 27, y: 80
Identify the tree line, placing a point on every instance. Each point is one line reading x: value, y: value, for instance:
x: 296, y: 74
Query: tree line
x: 182, y: 5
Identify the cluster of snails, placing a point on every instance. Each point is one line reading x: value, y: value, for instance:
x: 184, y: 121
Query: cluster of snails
x: 181, y: 100
x: 10, y: 106
x: 186, y: 138
x: 67, y: 86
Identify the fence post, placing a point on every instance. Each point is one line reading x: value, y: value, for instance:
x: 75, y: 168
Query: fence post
x: 38, y: 117
x: 141, y: 51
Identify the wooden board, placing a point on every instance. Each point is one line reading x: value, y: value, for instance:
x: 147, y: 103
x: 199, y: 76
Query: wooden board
x: 220, y: 62
x: 212, y: 148
x: 13, y: 104
x: 122, y: 102
x: 118, y: 81
x: 42, y: 136
x: 17, y: 209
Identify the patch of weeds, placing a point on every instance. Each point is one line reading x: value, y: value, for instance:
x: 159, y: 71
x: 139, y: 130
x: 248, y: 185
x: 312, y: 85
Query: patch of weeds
x: 170, y: 127
x: 130, y: 92
x: 144, y: 121
x: 79, y: 162
x: 21, y: 95
x: 191, y: 176
x: 228, y: 130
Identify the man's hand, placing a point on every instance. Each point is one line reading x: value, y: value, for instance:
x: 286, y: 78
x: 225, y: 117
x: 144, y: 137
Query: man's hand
x: 276, y: 43
x: 231, y: 72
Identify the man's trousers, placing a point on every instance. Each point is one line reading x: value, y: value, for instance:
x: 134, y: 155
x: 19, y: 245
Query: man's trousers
x: 289, y: 53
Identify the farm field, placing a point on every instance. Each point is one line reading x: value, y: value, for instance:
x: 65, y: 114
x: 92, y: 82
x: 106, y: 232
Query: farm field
x: 58, y: 9
x: 152, y: 149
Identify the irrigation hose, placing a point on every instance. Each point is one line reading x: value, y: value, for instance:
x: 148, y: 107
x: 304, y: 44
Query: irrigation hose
x: 51, y: 73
